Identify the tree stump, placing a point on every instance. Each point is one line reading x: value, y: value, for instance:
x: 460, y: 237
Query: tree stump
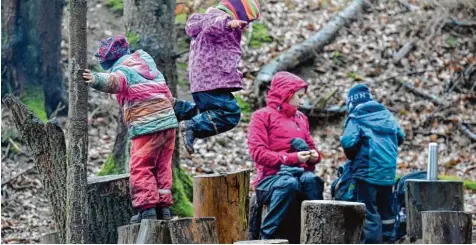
x: 50, y: 238
x: 446, y: 227
x: 109, y: 205
x: 193, y: 231
x: 225, y: 197
x: 272, y: 241
x: 128, y: 234
x: 425, y: 195
x: 331, y: 222
x: 153, y: 232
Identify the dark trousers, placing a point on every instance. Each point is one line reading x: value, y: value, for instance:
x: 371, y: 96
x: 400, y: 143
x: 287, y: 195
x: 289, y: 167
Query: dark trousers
x: 380, y: 217
x: 211, y: 113
x: 283, y: 195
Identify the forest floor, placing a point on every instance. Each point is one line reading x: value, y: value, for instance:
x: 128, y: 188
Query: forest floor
x: 363, y: 51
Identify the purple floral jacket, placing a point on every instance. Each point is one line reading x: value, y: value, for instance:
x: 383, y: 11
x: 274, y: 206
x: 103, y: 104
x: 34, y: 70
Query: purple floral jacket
x: 214, y: 52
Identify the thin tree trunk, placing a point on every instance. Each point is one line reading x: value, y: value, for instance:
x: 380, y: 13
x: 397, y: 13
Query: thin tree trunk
x: 77, y: 136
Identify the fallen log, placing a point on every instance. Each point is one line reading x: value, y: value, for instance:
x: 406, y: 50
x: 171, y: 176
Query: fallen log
x: 466, y: 131
x: 421, y: 93
x: 404, y: 51
x: 331, y: 222
x: 426, y: 195
x: 306, y: 50
x: 446, y: 227
x: 225, y: 197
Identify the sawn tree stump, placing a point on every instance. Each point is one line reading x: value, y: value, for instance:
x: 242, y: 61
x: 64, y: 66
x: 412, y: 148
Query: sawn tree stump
x: 128, y: 234
x: 446, y: 227
x: 331, y: 222
x: 109, y: 205
x: 425, y: 195
x: 225, y: 197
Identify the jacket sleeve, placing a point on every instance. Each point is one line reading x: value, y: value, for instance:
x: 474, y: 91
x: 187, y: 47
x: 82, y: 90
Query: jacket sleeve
x: 194, y: 25
x: 259, y: 147
x: 312, y: 146
x: 400, y: 135
x: 112, y: 83
x: 219, y: 26
x: 350, y: 140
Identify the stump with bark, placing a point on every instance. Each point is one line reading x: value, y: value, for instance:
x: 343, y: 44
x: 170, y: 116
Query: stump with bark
x: 425, y: 195
x: 109, y: 205
x: 331, y: 222
x: 225, y: 197
x: 153, y: 232
x: 193, y: 231
x: 446, y: 227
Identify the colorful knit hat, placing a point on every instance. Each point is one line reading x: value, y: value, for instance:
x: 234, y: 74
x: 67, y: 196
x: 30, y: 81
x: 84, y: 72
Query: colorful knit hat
x: 246, y: 10
x: 358, y: 94
x: 111, y: 49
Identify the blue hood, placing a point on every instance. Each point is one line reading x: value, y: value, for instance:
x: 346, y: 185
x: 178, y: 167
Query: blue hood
x: 374, y: 115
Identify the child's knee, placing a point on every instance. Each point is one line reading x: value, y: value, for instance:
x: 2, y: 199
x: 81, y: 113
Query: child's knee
x: 308, y: 178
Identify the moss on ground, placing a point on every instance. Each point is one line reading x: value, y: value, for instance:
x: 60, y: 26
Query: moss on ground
x: 260, y: 35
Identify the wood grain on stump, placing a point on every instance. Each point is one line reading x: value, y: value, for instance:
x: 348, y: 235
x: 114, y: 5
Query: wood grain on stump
x: 193, y: 231
x: 425, y: 195
x: 447, y: 227
x: 225, y: 197
x: 128, y: 234
x: 331, y: 222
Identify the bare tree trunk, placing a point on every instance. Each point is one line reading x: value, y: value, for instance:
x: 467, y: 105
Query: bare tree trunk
x: 153, y: 21
x: 77, y: 136
x: 48, y: 148
x: 31, y: 53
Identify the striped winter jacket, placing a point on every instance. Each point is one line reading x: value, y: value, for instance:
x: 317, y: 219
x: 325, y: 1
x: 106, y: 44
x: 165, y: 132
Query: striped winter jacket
x: 141, y: 91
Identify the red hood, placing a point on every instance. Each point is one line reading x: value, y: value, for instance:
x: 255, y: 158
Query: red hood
x: 283, y: 87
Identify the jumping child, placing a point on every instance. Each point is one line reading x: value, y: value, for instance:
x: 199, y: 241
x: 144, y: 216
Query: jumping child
x: 214, y: 56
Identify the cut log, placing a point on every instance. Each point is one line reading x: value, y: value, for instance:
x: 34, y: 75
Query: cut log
x: 331, y: 222
x: 47, y: 145
x: 425, y: 195
x: 50, y: 238
x: 446, y: 227
x: 153, y: 232
x: 272, y: 241
x: 193, y: 231
x: 128, y: 234
x: 225, y: 197
x: 109, y: 205
x: 302, y: 52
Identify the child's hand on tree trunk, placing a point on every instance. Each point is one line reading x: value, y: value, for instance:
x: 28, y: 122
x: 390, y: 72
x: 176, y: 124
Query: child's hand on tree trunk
x: 234, y: 24
x: 88, y: 75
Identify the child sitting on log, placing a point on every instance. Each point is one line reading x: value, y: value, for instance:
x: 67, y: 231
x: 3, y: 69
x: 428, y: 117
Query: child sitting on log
x: 282, y: 148
x: 214, y: 56
x: 370, y: 140
x: 148, y: 113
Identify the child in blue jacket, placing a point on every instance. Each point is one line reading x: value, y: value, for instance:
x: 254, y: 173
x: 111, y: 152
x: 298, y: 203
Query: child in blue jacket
x: 370, y: 140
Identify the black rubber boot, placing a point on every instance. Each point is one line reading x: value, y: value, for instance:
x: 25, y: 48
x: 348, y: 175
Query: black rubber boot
x: 164, y: 214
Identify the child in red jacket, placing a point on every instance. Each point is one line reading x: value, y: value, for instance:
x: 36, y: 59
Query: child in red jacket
x: 283, y: 170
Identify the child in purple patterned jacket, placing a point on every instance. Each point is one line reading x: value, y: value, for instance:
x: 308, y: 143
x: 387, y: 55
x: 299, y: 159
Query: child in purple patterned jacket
x: 214, y: 56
